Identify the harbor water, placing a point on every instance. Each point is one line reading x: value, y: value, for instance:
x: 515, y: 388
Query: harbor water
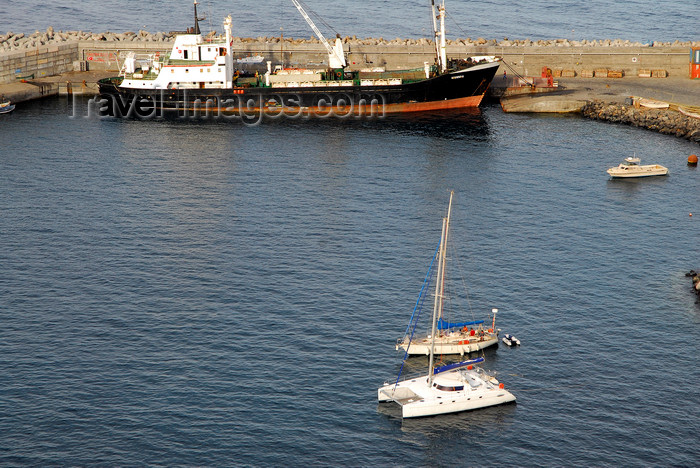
x: 643, y: 21
x: 206, y: 293
x: 211, y: 293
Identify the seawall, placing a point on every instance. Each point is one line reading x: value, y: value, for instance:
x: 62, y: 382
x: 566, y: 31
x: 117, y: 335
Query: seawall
x: 669, y: 122
x: 51, y: 53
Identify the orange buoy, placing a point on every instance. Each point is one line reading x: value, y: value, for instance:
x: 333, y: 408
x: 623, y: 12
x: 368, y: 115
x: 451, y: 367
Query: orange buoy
x: 501, y: 386
x: 470, y: 367
x: 692, y: 160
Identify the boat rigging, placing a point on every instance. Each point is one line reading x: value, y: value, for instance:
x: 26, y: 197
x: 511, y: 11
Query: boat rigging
x: 448, y: 388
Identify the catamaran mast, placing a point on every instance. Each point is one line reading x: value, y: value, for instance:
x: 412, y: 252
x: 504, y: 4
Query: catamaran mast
x: 439, y: 288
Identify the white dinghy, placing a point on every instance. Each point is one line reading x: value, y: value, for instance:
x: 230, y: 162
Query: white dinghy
x: 510, y: 340
x: 450, y: 388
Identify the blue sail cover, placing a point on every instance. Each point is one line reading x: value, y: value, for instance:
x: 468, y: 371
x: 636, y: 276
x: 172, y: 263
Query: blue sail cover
x: 457, y: 365
x: 444, y: 324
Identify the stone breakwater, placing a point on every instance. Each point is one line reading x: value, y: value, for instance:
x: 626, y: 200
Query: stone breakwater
x: 11, y: 41
x: 666, y: 121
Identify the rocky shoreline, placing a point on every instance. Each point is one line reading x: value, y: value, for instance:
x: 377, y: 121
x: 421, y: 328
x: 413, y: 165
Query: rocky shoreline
x: 19, y: 41
x: 666, y: 121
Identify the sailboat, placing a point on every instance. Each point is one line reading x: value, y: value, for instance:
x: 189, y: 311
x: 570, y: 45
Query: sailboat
x: 450, y: 388
x: 451, y: 337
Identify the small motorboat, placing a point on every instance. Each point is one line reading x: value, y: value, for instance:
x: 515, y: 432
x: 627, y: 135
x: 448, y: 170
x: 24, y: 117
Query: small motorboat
x: 6, y: 107
x: 630, y: 167
x: 510, y: 340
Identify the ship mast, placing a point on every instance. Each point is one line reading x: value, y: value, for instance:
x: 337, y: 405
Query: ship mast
x: 196, y: 19
x: 439, y: 288
x: 439, y: 36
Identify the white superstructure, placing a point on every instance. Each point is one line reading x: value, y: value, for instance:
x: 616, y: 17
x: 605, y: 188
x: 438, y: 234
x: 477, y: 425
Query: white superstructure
x: 193, y: 62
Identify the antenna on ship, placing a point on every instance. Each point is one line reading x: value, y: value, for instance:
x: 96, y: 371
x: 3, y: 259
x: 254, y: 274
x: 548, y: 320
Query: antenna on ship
x: 196, y: 19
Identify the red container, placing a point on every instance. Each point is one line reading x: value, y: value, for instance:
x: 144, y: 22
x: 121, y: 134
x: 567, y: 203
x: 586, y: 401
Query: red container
x: 695, y: 62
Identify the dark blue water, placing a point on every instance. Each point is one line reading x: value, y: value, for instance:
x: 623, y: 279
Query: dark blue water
x: 213, y: 294
x: 637, y: 20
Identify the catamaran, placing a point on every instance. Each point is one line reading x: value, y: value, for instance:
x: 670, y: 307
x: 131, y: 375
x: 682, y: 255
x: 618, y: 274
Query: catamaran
x: 448, y: 388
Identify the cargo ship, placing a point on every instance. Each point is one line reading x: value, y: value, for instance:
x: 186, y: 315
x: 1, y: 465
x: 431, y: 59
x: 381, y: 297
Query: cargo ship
x: 198, y: 77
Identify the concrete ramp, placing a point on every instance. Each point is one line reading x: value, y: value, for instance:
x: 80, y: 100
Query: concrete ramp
x: 544, y: 102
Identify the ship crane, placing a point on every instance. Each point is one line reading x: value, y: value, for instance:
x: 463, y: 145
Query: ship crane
x: 336, y: 57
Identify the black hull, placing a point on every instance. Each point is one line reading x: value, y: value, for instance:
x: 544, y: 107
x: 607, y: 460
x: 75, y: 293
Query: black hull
x: 458, y: 89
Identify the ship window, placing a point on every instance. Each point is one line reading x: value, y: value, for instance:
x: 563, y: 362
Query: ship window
x: 201, y: 70
x: 222, y: 51
x: 172, y: 70
x: 187, y: 70
x: 184, y: 54
x: 450, y: 389
x: 219, y: 69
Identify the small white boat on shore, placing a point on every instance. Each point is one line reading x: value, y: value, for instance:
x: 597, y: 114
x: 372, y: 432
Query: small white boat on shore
x: 653, y: 103
x: 630, y: 167
x: 693, y: 112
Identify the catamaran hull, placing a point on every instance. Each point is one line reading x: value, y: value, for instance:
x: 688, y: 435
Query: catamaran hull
x: 455, y: 90
x: 460, y: 347
x: 434, y: 408
x: 414, y: 405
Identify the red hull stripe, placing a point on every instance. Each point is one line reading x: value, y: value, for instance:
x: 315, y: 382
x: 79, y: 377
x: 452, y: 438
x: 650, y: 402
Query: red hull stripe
x: 459, y: 103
